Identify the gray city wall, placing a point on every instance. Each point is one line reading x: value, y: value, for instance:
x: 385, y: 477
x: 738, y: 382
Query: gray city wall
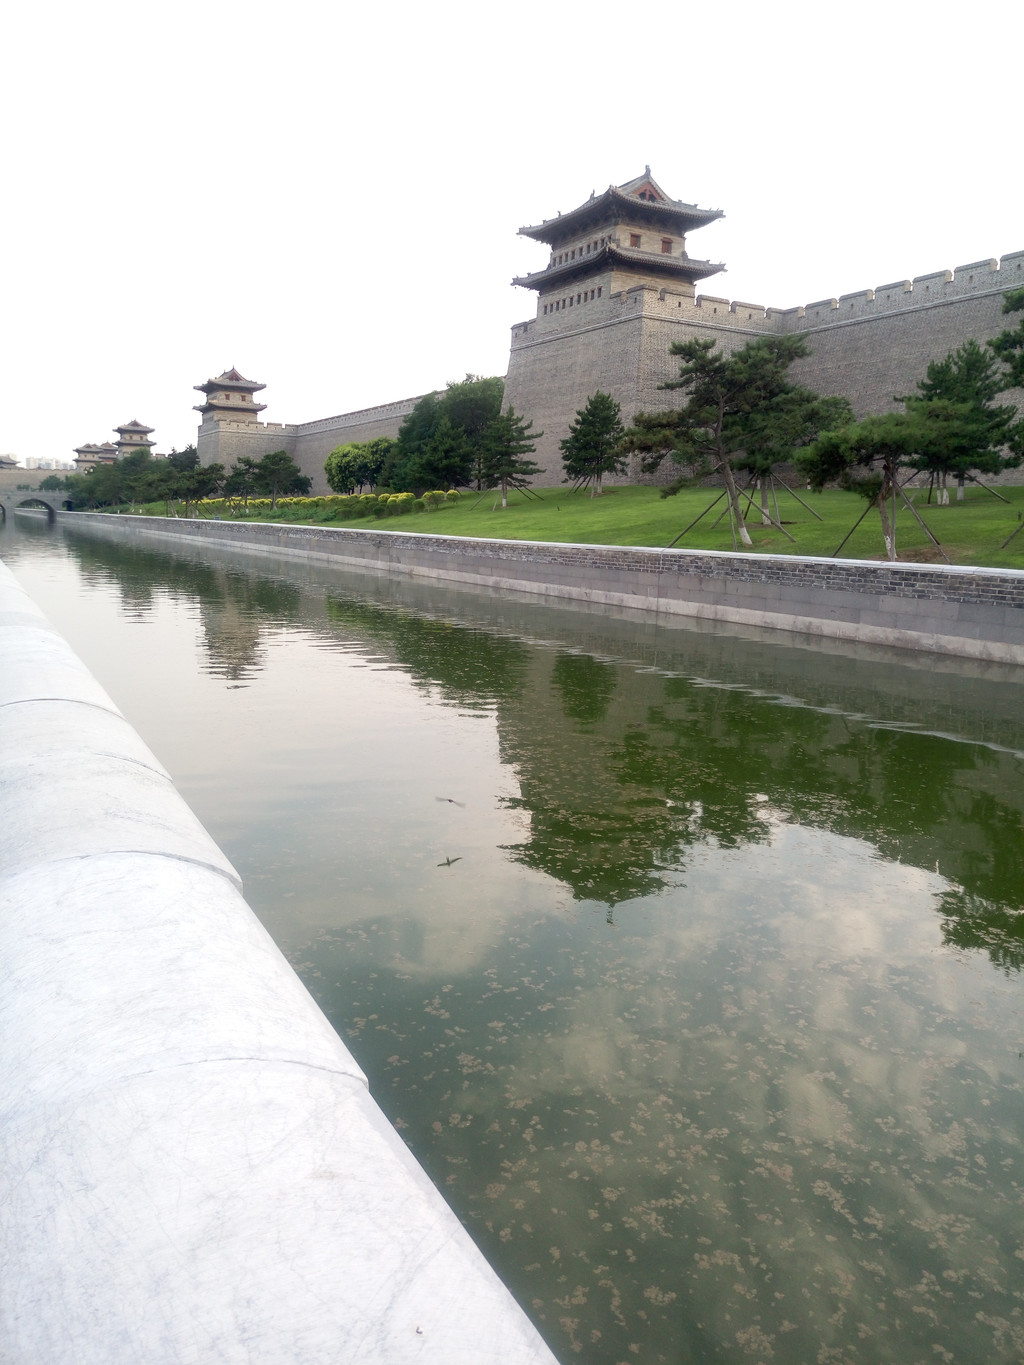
x: 869, y: 346
x: 308, y: 443
x: 972, y: 613
x: 314, y: 441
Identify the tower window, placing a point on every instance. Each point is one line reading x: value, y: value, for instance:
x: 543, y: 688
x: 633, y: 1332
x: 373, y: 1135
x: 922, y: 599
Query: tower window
x: 666, y: 246
x: 634, y: 239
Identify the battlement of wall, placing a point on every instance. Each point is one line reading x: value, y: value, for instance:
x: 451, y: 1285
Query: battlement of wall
x: 255, y: 428
x: 978, y: 278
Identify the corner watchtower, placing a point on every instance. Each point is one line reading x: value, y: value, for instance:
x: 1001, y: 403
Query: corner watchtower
x: 230, y: 396
x: 230, y: 428
x: 631, y: 235
x: 618, y: 288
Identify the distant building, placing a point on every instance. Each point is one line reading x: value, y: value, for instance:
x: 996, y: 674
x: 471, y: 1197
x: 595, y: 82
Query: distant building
x: 131, y: 436
x: 89, y: 456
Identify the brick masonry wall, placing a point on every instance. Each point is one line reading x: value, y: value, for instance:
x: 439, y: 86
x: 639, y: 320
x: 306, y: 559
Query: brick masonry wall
x: 11, y: 479
x: 225, y: 442
x: 314, y: 441
x: 974, y: 613
x: 552, y: 374
x: 869, y: 346
x: 308, y: 443
x: 872, y: 359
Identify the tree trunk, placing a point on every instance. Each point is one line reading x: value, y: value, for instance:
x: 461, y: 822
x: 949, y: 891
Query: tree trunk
x: 960, y: 487
x: 766, y: 516
x: 888, y: 527
x: 734, y: 500
x: 504, y: 493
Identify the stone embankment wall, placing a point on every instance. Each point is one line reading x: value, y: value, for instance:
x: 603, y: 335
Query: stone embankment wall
x: 193, y: 1168
x: 973, y: 613
x: 869, y: 346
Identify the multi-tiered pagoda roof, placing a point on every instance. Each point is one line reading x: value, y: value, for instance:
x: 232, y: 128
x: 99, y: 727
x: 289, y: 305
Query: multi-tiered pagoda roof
x: 638, y: 203
x: 228, y: 392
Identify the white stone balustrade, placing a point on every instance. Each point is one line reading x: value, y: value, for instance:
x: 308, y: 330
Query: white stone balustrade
x: 193, y: 1169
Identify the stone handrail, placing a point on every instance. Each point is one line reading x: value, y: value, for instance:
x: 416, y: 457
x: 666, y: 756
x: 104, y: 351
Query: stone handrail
x: 193, y: 1167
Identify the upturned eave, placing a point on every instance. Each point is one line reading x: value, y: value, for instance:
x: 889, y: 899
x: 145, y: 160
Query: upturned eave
x: 611, y: 206
x: 670, y: 267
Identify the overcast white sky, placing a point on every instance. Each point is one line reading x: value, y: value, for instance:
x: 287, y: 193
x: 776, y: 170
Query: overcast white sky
x: 327, y: 195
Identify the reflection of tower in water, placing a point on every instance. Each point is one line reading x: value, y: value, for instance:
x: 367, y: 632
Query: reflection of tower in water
x: 232, y: 636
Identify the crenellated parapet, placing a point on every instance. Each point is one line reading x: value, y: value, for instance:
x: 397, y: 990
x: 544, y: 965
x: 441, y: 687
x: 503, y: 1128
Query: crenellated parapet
x: 977, y: 279
x: 974, y: 280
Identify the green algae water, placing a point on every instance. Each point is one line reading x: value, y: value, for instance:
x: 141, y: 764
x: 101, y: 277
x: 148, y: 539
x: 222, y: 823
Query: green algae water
x: 688, y: 962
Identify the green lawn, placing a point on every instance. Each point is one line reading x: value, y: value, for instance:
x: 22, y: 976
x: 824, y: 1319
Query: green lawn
x: 970, y: 532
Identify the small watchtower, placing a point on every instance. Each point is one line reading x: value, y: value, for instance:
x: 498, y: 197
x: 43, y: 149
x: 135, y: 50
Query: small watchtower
x: 133, y: 436
x: 230, y: 397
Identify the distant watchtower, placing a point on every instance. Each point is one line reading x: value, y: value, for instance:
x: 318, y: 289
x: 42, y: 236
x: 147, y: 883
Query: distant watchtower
x: 90, y: 455
x: 133, y: 436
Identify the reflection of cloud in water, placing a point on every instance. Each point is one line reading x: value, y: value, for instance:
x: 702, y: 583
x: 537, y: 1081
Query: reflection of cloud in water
x: 759, y: 1122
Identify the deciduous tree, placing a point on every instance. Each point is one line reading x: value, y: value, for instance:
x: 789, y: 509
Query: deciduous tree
x: 468, y: 405
x: 356, y: 463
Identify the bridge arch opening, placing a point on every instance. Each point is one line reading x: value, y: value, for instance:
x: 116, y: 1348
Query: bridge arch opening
x: 49, y: 503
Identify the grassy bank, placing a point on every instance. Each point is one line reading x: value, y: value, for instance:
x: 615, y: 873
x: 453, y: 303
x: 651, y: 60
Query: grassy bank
x: 970, y: 532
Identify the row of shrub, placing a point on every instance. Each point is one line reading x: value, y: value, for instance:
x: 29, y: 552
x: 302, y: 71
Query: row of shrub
x: 336, y: 506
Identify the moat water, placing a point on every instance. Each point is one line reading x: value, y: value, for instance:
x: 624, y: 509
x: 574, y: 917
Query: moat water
x: 689, y: 963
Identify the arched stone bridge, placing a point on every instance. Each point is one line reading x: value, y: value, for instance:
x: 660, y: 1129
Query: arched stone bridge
x: 10, y: 502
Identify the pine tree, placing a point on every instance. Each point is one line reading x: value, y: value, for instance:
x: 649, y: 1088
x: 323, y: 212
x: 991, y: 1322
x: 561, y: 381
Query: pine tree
x: 961, y: 427
x: 1009, y: 345
x: 591, y: 449
x: 506, y: 442
x: 734, y: 404
x: 864, y: 457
